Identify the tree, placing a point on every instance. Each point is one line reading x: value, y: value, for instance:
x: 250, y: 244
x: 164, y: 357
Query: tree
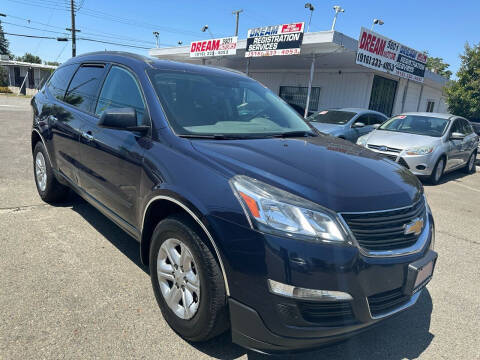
x: 53, y: 63
x: 439, y: 66
x: 3, y: 43
x: 3, y: 76
x: 463, y: 94
x: 29, y: 58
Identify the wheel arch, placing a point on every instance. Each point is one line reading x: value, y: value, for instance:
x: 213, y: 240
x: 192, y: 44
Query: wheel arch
x: 160, y: 207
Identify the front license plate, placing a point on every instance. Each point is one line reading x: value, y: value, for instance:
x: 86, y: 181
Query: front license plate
x: 423, y: 274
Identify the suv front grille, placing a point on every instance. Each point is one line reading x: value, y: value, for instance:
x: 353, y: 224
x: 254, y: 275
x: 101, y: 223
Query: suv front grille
x: 387, y: 301
x: 385, y: 230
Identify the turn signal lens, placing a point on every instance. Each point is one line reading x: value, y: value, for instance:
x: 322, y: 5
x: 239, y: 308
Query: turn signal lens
x: 251, y: 203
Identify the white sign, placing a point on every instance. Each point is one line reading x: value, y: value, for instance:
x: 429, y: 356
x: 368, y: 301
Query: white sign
x: 383, y: 54
x: 214, y: 47
x: 284, y: 39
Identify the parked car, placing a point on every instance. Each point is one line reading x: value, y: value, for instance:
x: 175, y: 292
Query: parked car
x: 428, y: 144
x: 346, y: 123
x: 247, y: 217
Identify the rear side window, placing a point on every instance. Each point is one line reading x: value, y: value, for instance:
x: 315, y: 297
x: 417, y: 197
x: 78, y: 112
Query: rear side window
x: 83, y: 90
x: 57, y: 85
x: 121, y: 90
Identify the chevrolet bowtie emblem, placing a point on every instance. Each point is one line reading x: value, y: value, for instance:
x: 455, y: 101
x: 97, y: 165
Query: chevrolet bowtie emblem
x: 415, y: 227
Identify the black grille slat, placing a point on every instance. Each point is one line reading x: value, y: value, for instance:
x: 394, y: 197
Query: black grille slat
x: 387, y: 301
x: 328, y: 314
x: 377, y: 147
x: 384, y: 230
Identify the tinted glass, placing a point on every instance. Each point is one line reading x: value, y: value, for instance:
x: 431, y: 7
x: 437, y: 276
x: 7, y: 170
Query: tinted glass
x: 364, y: 119
x: 467, y: 129
x: 413, y: 124
x: 121, y: 90
x: 222, y: 104
x: 83, y: 89
x: 57, y: 85
x: 456, y: 127
x: 332, y: 116
x: 376, y: 119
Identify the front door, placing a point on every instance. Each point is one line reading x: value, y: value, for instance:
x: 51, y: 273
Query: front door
x: 455, y: 147
x: 112, y: 159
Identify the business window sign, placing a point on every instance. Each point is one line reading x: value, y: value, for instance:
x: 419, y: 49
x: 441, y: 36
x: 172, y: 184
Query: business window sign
x: 214, y: 47
x: 383, y: 54
x: 284, y: 39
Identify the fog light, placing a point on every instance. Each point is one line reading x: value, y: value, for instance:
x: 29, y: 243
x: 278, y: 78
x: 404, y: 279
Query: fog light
x: 306, y: 294
x: 421, y: 167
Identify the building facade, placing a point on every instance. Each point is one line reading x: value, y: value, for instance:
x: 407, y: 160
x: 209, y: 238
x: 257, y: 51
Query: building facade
x: 337, y: 80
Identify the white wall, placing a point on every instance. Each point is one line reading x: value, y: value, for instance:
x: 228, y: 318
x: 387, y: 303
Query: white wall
x: 337, y: 89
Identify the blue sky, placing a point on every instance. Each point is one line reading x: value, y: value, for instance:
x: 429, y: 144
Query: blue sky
x: 441, y: 27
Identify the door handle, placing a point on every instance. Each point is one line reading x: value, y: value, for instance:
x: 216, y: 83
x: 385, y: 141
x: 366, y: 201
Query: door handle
x: 87, y: 135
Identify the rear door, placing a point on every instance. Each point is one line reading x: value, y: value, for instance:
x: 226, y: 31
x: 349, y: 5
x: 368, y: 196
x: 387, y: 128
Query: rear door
x: 112, y: 158
x: 63, y: 124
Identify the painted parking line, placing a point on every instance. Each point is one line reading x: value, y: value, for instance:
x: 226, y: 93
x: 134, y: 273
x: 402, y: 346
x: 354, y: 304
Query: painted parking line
x: 466, y: 186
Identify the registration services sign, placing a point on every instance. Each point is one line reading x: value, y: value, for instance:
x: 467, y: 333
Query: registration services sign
x: 284, y: 39
x: 214, y: 47
x: 383, y: 54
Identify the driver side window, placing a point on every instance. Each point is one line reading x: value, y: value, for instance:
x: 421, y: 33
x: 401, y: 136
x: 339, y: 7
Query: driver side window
x: 362, y: 119
x: 121, y: 90
x: 456, y: 127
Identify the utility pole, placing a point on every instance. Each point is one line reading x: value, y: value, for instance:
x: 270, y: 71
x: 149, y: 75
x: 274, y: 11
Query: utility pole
x: 74, y: 32
x: 237, y: 13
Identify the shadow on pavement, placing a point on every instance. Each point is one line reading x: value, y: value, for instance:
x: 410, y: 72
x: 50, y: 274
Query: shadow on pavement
x: 405, y: 336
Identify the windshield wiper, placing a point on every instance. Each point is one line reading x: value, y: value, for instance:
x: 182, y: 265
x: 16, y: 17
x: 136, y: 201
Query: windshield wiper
x: 292, y: 134
x: 212, y: 136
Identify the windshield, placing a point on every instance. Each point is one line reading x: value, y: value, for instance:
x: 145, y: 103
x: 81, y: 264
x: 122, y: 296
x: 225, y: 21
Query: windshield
x: 414, y: 124
x: 332, y: 117
x: 229, y: 105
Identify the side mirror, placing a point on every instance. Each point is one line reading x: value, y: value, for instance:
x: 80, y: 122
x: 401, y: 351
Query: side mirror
x: 457, y: 136
x: 121, y: 119
x: 358, y: 125
x: 376, y: 126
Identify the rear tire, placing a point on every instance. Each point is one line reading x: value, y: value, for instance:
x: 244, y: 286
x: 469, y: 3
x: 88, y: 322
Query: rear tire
x: 437, y: 172
x: 49, y: 189
x: 208, y: 316
x: 470, y: 168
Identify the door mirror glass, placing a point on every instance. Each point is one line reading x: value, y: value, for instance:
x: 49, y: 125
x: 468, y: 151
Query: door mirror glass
x: 457, y: 136
x: 119, y: 118
x: 358, y: 125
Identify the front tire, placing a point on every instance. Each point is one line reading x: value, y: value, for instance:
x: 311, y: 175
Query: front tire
x: 183, y: 270
x: 470, y: 168
x: 437, y: 172
x: 49, y: 189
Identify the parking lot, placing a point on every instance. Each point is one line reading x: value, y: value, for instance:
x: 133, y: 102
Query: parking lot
x: 72, y: 285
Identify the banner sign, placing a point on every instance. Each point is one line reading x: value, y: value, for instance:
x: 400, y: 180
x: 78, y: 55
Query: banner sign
x: 383, y: 54
x: 274, y: 40
x: 214, y: 47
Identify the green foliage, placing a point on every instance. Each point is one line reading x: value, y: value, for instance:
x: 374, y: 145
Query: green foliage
x: 29, y: 58
x: 463, y: 94
x: 3, y: 76
x: 439, y: 66
x: 53, y: 63
x: 3, y: 43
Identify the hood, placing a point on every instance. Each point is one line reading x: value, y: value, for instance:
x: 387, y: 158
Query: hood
x: 399, y: 140
x: 327, y: 128
x: 332, y: 172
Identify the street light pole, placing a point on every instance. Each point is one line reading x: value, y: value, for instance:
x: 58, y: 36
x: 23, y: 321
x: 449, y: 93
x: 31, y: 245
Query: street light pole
x: 237, y: 14
x: 338, y: 9
x: 311, y: 8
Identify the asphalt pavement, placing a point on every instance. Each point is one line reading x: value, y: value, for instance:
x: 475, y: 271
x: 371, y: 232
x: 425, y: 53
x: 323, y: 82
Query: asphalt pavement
x: 72, y: 286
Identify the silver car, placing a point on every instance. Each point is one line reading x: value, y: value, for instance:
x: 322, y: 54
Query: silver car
x: 428, y: 144
x: 346, y: 123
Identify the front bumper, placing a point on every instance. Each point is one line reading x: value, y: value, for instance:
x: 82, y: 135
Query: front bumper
x: 420, y: 165
x: 270, y: 323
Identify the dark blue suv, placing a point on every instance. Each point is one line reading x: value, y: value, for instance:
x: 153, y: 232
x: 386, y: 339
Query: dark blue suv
x: 248, y: 218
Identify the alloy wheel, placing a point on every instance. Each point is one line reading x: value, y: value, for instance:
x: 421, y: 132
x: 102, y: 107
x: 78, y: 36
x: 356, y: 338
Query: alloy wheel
x: 41, y: 171
x: 178, y: 277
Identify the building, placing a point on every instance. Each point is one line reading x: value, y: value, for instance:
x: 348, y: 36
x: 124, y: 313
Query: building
x: 26, y: 78
x: 337, y: 80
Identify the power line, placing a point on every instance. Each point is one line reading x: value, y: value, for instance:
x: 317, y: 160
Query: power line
x: 32, y: 36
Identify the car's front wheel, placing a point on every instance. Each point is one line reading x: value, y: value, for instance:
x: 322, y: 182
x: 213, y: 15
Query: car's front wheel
x: 49, y: 189
x: 437, y: 171
x: 187, y: 281
x: 470, y: 167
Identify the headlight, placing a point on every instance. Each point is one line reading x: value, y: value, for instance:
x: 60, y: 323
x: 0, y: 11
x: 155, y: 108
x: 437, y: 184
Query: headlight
x: 276, y: 211
x: 362, y: 141
x: 422, y: 150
